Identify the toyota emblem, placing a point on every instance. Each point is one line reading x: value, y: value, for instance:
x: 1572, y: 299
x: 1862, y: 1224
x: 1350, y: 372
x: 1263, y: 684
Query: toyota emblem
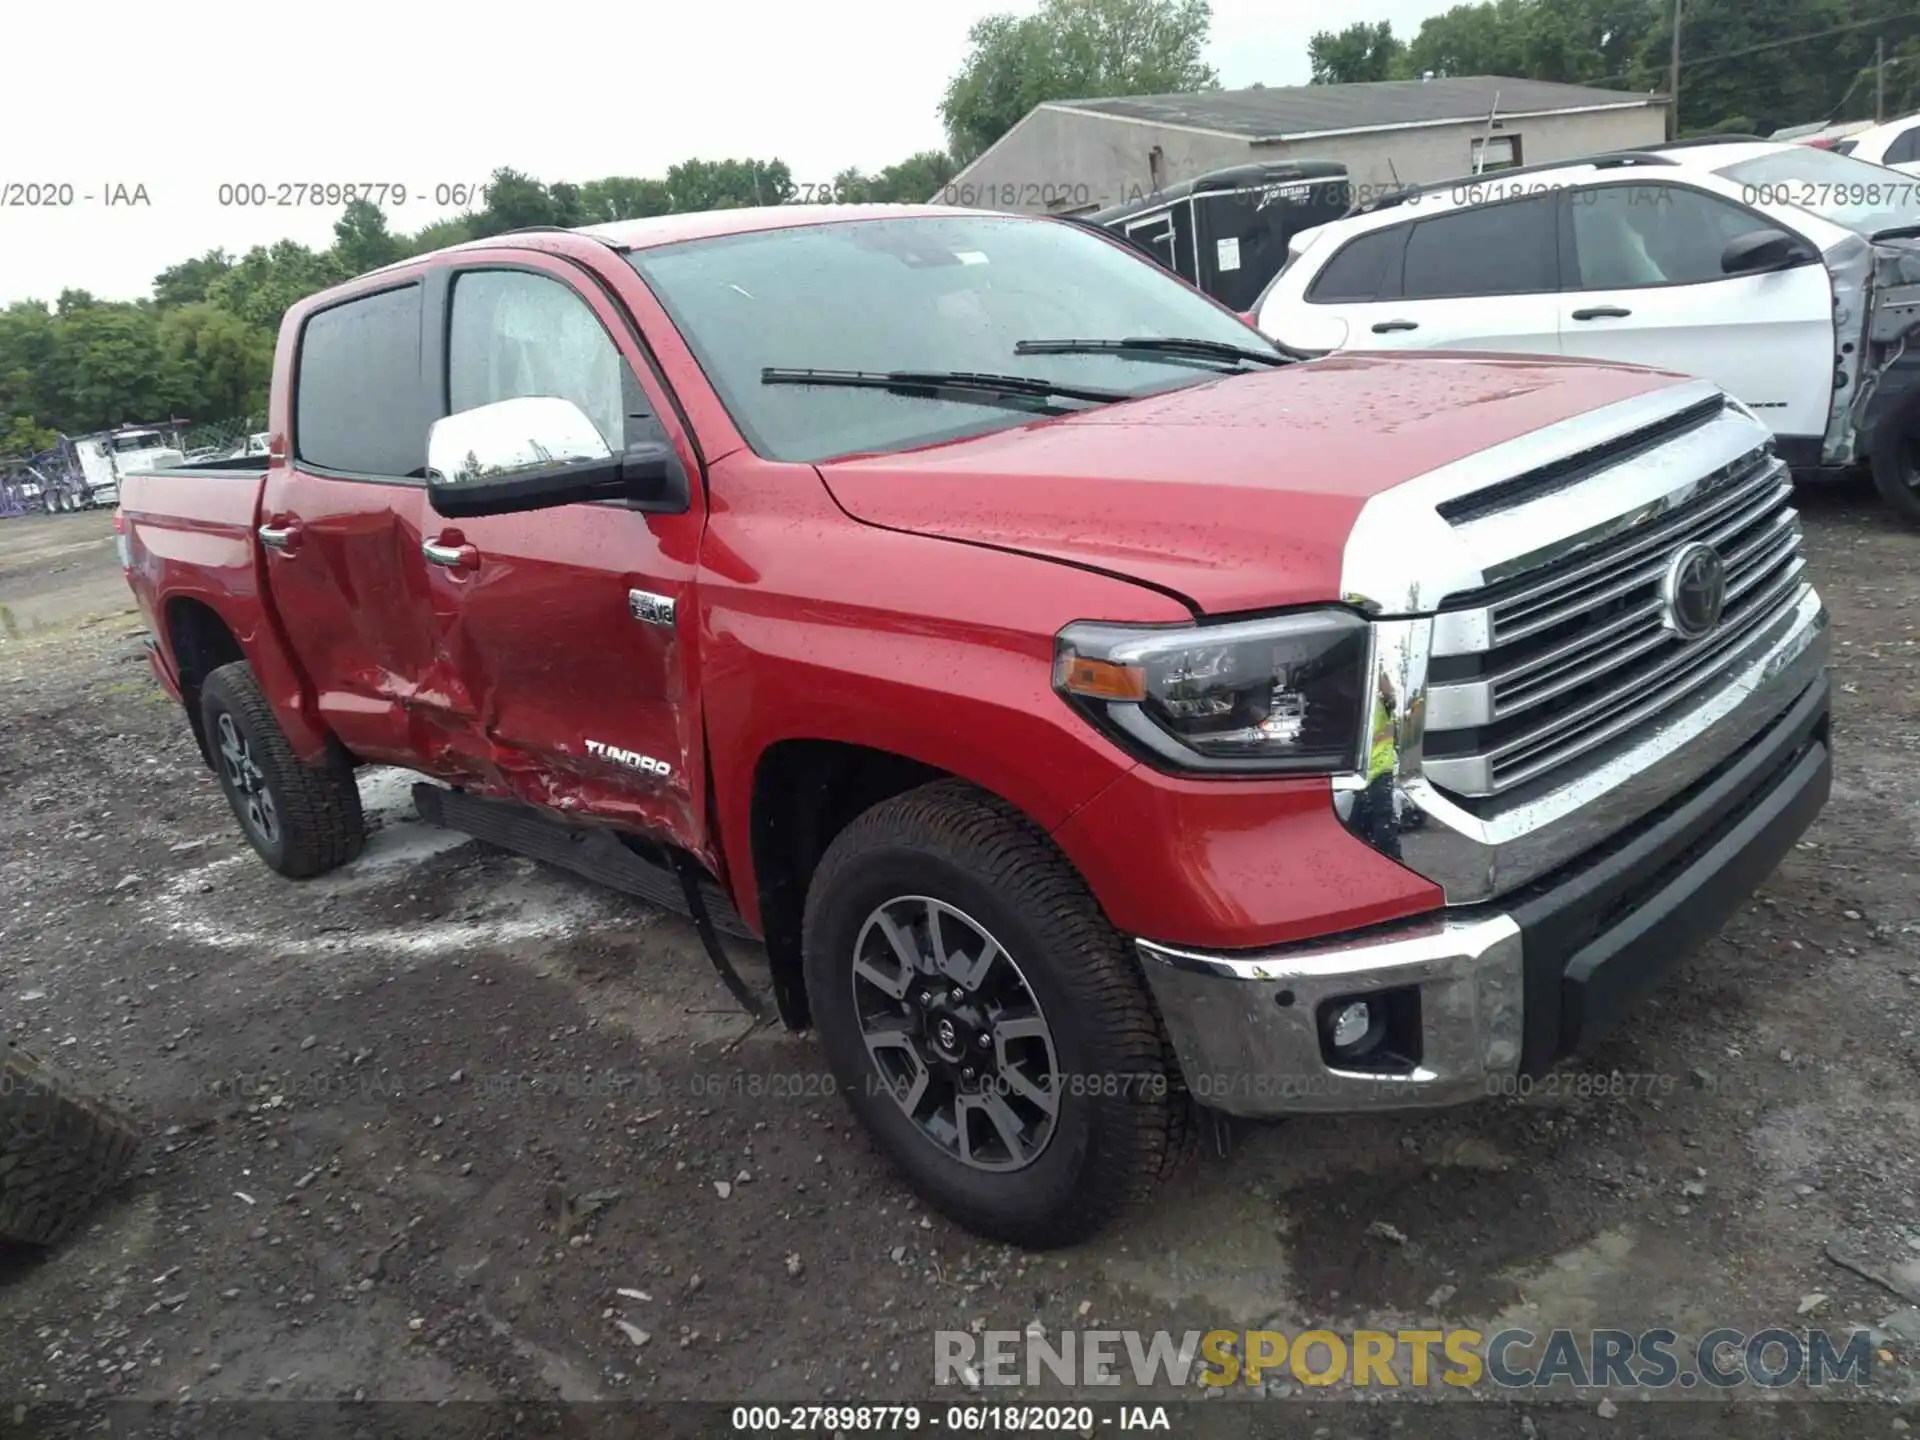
x: 1694, y: 591
x: 946, y: 1035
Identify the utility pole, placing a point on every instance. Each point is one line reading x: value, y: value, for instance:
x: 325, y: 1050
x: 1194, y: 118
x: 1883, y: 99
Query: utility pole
x: 1879, y: 79
x: 1673, y: 78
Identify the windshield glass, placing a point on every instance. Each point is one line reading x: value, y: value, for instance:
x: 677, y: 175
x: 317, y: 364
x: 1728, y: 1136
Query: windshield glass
x: 137, y: 440
x: 938, y: 292
x: 1836, y: 187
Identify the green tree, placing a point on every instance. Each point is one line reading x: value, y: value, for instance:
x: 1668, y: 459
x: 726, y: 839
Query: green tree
x: 361, y: 240
x: 514, y: 201
x: 213, y: 365
x: 269, y: 278
x: 728, y: 184
x: 1359, y: 53
x: 103, y: 367
x: 22, y: 435
x: 441, y: 233
x: 1071, y: 50
x: 914, y: 180
x: 623, y: 197
x: 187, y: 282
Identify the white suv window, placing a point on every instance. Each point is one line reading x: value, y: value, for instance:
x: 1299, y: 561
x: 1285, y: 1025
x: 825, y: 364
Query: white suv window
x: 1651, y: 234
x: 1504, y: 249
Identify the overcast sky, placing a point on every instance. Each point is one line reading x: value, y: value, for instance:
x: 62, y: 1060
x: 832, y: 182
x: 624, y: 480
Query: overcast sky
x: 180, y: 98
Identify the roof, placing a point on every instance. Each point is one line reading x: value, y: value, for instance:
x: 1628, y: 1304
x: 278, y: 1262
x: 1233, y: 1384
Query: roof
x: 1302, y: 111
x: 1468, y: 190
x: 706, y: 224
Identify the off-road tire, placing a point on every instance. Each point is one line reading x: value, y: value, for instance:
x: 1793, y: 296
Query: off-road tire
x: 317, y: 807
x: 953, y: 843
x: 61, y: 1149
x: 1896, y: 463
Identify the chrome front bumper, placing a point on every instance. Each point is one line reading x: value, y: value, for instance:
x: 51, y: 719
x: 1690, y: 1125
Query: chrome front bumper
x: 1513, y: 985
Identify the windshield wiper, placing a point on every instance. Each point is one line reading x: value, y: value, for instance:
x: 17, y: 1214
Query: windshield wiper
x: 963, y: 385
x: 1896, y: 232
x: 1173, y: 347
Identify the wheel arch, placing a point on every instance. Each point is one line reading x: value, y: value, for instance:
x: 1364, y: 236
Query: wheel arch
x: 200, y: 641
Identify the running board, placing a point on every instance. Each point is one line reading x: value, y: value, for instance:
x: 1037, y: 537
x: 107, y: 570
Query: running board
x: 588, y: 850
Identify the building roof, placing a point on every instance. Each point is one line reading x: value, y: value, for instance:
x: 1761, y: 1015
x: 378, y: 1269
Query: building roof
x: 1301, y: 111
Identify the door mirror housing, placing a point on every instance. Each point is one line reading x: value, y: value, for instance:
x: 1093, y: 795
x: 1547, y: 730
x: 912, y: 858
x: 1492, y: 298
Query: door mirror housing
x: 538, y: 451
x: 1762, y: 250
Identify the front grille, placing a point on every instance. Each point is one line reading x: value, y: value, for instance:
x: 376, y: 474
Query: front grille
x: 1580, y: 657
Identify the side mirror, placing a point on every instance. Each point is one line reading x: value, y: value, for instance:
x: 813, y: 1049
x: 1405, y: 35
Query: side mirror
x: 1762, y: 250
x: 539, y: 451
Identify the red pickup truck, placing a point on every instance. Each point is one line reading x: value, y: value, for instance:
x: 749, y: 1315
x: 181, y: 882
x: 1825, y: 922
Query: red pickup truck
x: 1095, y: 711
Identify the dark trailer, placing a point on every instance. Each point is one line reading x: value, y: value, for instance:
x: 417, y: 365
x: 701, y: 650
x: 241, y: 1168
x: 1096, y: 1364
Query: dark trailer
x: 1227, y: 231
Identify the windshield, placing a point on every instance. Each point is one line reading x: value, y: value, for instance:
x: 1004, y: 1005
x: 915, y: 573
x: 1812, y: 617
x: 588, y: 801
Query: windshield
x: 937, y: 292
x: 137, y: 440
x: 1863, y: 197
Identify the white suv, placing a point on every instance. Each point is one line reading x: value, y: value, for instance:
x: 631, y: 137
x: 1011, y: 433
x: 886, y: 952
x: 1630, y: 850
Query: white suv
x: 1789, y: 275
x: 1895, y: 144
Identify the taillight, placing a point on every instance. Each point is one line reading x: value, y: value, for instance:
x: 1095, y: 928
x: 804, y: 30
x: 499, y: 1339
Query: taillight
x: 120, y: 542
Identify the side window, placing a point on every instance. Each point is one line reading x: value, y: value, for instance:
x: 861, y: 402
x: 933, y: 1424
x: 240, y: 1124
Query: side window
x: 1638, y: 234
x: 1505, y: 249
x: 357, y: 403
x: 1359, y: 272
x: 514, y: 333
x: 1905, y: 147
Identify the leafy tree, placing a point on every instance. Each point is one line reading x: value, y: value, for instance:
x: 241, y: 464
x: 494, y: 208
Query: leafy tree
x: 103, y: 367
x: 212, y: 363
x: 514, y: 202
x: 187, y: 282
x: 914, y: 180
x: 1070, y: 50
x: 728, y: 184
x: 21, y: 435
x: 622, y: 197
x: 267, y: 279
x: 361, y: 240
x: 437, y: 236
x: 1361, y: 52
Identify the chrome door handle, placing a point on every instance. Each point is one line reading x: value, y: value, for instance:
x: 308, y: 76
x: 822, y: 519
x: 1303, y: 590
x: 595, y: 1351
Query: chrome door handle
x: 276, y: 537
x: 453, y: 557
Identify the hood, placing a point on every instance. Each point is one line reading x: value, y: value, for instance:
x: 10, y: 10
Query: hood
x: 1232, y: 494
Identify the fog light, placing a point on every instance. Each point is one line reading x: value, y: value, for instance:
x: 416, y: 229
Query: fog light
x: 1351, y: 1024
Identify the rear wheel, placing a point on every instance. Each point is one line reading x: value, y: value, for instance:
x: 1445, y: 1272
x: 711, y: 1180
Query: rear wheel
x: 986, y: 1022
x: 303, y: 819
x: 1896, y: 464
x: 60, y: 1149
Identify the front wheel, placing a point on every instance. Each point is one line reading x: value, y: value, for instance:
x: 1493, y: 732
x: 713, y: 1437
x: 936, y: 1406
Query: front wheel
x: 303, y: 819
x: 1896, y: 464
x: 986, y: 1021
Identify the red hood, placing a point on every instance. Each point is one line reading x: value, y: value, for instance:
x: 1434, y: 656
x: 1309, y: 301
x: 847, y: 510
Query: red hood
x: 1237, y: 494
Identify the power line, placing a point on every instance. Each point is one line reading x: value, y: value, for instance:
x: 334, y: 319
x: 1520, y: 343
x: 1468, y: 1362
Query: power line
x: 1756, y: 49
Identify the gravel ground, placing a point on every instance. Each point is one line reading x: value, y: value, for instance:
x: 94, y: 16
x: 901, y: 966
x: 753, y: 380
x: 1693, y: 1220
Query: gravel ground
x: 449, y: 1125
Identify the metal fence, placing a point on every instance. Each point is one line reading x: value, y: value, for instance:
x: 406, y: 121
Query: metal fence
x: 213, y: 439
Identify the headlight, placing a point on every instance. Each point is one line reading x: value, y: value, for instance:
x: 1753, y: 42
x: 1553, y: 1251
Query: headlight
x: 1275, y: 696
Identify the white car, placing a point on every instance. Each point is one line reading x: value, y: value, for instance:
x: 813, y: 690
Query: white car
x: 1787, y: 274
x: 1895, y: 144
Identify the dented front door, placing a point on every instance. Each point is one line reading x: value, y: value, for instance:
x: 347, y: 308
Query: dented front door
x: 568, y: 630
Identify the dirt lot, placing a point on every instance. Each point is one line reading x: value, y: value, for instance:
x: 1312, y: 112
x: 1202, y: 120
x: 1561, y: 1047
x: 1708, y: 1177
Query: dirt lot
x: 416, y: 1125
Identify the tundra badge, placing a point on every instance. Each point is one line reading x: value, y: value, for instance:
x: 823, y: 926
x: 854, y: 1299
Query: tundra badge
x: 632, y: 759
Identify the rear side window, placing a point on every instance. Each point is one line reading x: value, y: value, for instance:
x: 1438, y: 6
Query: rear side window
x: 358, y: 403
x: 1507, y: 249
x: 1357, y: 273
x: 1905, y: 147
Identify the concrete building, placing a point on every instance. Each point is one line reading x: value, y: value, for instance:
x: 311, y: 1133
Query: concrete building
x: 1073, y: 156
